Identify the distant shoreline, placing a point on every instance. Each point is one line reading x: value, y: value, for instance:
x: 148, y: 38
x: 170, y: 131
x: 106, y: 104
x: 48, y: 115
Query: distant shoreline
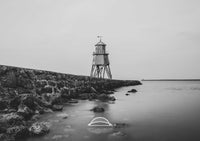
x: 170, y: 80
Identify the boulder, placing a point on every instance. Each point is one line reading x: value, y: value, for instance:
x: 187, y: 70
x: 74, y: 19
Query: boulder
x: 10, y: 80
x: 132, y: 91
x: 25, y: 111
x: 18, y: 132
x: 6, y: 137
x: 105, y: 97
x: 14, y: 103
x: 46, y: 89
x: 73, y: 101
x: 24, y: 82
x: 41, y: 83
x: 98, y: 109
x: 57, y: 107
x: 3, y: 104
x: 63, y: 115
x: 127, y: 94
x: 12, y: 119
x: 39, y: 128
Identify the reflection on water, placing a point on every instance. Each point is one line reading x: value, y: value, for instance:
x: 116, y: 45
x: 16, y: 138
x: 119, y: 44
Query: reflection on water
x: 159, y: 111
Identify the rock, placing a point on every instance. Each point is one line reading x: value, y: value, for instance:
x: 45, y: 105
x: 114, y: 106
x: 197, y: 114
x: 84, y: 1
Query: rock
x: 120, y: 125
x: 63, y: 115
x: 132, y: 91
x: 57, y: 137
x: 24, y: 82
x: 57, y: 107
x: 118, y: 134
x: 41, y: 83
x: 18, y: 132
x: 47, y: 110
x: 73, y: 101
x: 112, y: 98
x: 93, y: 90
x: 39, y: 128
x: 3, y: 104
x: 35, y: 118
x: 6, y: 137
x: 127, y: 94
x: 25, y: 111
x: 46, y: 89
x: 98, y: 109
x: 52, y: 83
x: 14, y: 103
x: 12, y: 119
x: 10, y: 80
x: 104, y: 97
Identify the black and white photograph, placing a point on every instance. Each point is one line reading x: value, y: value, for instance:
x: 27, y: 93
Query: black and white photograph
x: 99, y: 70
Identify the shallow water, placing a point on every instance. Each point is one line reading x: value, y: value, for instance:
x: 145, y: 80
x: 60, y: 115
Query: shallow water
x: 159, y: 111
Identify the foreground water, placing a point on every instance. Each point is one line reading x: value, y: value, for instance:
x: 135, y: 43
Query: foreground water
x: 159, y: 111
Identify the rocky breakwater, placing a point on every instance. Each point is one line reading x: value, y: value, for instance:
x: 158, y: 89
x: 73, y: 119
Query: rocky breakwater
x: 25, y: 94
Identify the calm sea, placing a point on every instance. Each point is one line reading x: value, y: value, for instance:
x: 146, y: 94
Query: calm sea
x: 159, y: 111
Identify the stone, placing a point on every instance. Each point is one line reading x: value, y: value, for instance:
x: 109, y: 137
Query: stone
x: 12, y: 119
x: 18, y: 132
x: 73, y: 101
x: 46, y: 89
x: 105, y: 97
x: 118, y: 134
x: 39, y: 128
x: 98, y: 109
x: 24, y: 82
x: 63, y: 115
x: 14, y: 103
x: 6, y: 137
x: 57, y: 137
x: 3, y: 104
x: 127, y: 94
x: 10, y: 80
x: 35, y: 118
x: 120, y: 125
x: 132, y: 91
x: 41, y: 83
x: 25, y: 111
x: 57, y: 107
x: 52, y: 83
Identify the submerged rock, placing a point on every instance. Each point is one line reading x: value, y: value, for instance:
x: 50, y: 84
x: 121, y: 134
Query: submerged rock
x: 132, y: 91
x: 63, y: 115
x: 57, y: 137
x: 118, y: 134
x: 120, y: 125
x: 57, y: 107
x: 98, y: 109
x: 39, y: 128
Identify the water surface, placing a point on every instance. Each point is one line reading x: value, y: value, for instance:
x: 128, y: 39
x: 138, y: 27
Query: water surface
x: 159, y: 111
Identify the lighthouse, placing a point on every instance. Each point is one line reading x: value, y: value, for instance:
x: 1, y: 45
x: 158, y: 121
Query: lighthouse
x: 100, y: 63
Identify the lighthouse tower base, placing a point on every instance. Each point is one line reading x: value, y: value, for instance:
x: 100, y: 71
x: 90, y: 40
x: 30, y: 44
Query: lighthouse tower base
x: 99, y: 71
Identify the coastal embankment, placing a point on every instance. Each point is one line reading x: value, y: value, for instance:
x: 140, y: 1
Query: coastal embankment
x: 26, y: 94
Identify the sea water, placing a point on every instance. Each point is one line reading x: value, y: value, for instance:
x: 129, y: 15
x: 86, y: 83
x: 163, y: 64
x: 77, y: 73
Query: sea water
x: 159, y: 111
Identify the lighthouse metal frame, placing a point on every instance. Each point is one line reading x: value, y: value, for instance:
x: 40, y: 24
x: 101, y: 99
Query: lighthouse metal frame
x: 100, y: 64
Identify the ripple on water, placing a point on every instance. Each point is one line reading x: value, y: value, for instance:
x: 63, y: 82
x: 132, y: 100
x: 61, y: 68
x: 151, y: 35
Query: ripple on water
x: 102, y: 130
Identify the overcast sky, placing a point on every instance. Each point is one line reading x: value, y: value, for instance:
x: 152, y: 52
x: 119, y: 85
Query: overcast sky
x: 145, y: 38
